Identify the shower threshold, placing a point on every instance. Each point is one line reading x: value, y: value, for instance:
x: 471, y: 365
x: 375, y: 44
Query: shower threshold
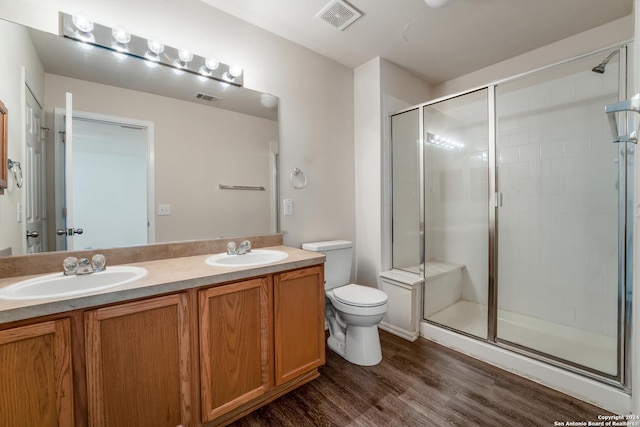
x: 595, y: 351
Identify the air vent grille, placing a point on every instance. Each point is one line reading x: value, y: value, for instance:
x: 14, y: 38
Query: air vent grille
x: 339, y: 14
x: 208, y: 98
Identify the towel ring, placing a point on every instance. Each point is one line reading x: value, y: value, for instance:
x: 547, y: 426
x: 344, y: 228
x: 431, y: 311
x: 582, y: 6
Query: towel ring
x: 298, y: 179
x: 16, y: 170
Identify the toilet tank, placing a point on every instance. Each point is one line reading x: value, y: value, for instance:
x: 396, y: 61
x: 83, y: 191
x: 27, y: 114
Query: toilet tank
x: 337, y: 267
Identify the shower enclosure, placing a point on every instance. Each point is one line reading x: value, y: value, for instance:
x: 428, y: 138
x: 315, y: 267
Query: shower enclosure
x: 512, y: 202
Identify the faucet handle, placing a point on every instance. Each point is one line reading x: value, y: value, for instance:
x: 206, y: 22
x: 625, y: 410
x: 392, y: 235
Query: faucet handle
x: 231, y: 248
x: 70, y: 266
x: 98, y: 262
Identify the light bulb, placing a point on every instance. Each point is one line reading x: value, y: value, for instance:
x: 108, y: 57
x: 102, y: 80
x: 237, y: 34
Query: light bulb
x: 155, y: 46
x: 235, y: 71
x: 185, y: 55
x: 211, y: 63
x: 121, y: 35
x: 81, y: 23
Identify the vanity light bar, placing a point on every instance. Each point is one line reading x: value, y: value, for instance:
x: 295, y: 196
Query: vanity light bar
x: 76, y: 28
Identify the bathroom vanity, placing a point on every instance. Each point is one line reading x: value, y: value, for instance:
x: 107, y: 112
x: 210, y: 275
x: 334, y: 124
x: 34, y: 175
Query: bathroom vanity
x: 187, y: 345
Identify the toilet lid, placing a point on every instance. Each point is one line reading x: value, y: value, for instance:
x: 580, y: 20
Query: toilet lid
x: 359, y: 295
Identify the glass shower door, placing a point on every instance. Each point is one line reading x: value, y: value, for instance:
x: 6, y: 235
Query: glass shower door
x: 406, y: 204
x: 559, y: 176
x: 456, y: 175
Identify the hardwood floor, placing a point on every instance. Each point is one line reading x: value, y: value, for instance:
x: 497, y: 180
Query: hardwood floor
x: 419, y: 384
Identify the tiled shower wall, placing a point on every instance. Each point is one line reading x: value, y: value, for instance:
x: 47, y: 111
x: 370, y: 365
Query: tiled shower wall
x: 456, y: 208
x: 558, y: 171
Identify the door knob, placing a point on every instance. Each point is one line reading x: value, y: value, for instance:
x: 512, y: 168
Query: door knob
x: 32, y: 234
x: 69, y: 231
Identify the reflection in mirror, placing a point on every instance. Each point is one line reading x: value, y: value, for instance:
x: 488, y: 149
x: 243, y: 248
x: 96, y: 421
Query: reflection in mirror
x: 200, y: 133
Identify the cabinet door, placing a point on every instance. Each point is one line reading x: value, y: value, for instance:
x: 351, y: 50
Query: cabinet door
x: 35, y: 375
x: 138, y: 364
x: 235, y: 354
x: 298, y: 301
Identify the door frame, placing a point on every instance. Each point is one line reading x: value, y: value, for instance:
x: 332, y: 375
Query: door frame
x: 30, y: 88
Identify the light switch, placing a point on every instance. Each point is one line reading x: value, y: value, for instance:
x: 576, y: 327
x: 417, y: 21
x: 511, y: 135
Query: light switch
x: 287, y: 206
x: 164, y: 210
x: 19, y: 212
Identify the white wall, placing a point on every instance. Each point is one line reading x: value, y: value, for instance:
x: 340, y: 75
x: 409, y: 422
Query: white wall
x: 381, y: 88
x: 316, y: 94
x: 12, y: 95
x: 367, y: 136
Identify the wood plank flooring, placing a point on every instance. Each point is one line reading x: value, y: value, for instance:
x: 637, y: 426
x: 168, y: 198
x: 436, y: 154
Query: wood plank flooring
x: 419, y: 384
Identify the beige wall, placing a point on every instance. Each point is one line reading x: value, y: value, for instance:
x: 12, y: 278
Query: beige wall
x: 316, y: 109
x: 207, y: 146
x: 12, y: 89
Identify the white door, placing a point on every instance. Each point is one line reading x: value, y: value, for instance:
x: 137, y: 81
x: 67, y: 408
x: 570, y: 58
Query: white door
x: 35, y: 206
x: 105, y: 197
x: 109, y: 184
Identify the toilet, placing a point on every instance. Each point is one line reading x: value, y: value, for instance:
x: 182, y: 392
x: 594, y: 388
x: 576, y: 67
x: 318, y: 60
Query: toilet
x: 352, y: 311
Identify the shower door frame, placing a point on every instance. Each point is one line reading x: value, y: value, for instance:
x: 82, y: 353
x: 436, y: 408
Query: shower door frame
x: 625, y: 231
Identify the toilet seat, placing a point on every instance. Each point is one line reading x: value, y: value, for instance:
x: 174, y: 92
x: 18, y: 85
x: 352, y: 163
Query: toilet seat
x: 359, y: 296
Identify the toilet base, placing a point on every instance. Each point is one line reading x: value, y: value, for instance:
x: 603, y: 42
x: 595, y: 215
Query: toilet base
x: 360, y: 347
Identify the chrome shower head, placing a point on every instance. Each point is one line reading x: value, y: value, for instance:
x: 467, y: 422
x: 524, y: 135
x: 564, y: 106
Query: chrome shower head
x: 600, y: 68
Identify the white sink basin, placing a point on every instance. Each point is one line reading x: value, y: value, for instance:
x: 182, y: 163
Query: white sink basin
x: 58, y: 285
x: 253, y: 258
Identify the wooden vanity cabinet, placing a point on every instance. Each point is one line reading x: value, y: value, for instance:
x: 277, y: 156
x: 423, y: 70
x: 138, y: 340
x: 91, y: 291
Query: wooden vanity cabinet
x: 235, y: 352
x: 36, y: 375
x: 138, y: 363
x: 298, y: 301
x: 259, y: 339
x: 204, y: 356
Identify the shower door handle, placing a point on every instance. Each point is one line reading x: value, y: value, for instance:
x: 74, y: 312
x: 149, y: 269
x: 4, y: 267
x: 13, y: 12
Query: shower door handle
x: 498, y: 200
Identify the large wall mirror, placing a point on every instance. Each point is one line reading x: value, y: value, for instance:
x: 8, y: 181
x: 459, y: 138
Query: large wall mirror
x: 158, y: 155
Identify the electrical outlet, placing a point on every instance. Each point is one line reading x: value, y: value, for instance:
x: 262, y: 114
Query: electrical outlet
x: 287, y: 206
x: 164, y: 210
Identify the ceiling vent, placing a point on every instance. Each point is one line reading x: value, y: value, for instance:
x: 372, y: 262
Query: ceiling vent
x: 339, y: 14
x: 208, y: 98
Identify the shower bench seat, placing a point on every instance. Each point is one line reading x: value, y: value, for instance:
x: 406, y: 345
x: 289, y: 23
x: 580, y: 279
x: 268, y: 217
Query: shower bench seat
x: 443, y: 285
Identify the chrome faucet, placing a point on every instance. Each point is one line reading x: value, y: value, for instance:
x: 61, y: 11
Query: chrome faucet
x: 241, y: 249
x: 74, y: 266
x: 244, y: 248
x: 84, y: 267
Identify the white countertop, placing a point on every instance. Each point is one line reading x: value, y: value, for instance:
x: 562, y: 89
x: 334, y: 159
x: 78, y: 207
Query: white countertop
x: 164, y: 276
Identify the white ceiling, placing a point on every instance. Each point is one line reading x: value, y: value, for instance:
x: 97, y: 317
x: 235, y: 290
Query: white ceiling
x: 434, y: 44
